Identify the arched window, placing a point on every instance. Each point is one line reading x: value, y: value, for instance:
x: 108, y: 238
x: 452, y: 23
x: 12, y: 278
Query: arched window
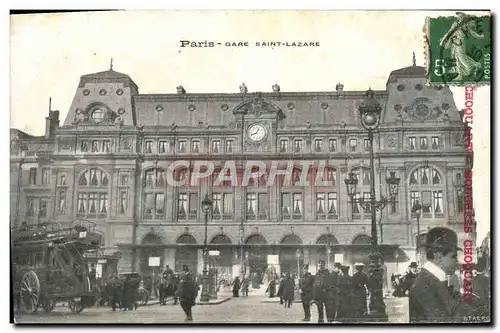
x: 93, y: 194
x: 155, y: 187
x: 362, y: 191
x: 426, y: 188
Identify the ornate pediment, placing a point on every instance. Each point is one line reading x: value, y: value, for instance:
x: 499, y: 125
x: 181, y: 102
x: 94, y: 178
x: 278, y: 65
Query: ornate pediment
x: 258, y: 106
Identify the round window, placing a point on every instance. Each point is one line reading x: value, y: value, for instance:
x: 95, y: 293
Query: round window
x: 422, y: 111
x: 98, y: 115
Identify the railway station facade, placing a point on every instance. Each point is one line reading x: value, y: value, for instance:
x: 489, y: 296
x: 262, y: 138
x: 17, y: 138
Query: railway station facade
x: 111, y: 161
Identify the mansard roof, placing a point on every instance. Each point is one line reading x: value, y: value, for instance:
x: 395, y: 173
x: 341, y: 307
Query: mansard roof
x: 298, y: 109
x: 106, y: 76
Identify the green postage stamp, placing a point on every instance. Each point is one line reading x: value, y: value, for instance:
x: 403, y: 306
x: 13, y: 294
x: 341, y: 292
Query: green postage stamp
x: 459, y: 49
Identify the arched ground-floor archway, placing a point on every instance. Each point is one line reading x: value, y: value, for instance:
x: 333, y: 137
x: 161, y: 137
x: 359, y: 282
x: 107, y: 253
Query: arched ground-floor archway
x: 289, y: 262
x: 186, y: 255
x: 224, y: 261
x: 255, y: 255
x: 152, y: 246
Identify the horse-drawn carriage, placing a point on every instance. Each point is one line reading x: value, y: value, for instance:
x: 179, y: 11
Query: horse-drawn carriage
x: 49, y: 265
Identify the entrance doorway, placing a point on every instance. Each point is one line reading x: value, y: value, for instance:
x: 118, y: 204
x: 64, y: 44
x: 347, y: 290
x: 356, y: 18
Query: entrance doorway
x: 186, y: 255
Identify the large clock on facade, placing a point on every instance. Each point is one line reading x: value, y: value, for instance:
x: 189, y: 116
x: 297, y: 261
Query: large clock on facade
x: 257, y: 132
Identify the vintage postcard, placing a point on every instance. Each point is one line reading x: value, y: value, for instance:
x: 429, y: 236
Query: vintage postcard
x: 243, y: 167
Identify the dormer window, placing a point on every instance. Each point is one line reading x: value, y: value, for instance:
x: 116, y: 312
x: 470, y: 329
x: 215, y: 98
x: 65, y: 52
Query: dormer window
x: 97, y: 115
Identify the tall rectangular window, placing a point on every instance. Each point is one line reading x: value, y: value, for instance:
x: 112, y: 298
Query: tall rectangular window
x: 251, y: 211
x: 435, y: 142
x: 412, y: 143
x: 229, y: 146
x: 84, y: 146
x: 182, y: 206
x: 148, y: 148
x: 159, y: 206
x: 366, y: 145
x: 32, y: 179
x: 43, y: 210
x: 353, y: 145
x: 162, y: 146
x: 286, y: 206
x: 181, y: 146
x: 283, y: 146
x: 424, y: 144
x: 95, y: 146
x: 195, y: 146
x: 326, y: 205
x: 215, y: 146
x: 106, y: 146
x: 297, y: 146
x: 318, y: 145
x: 45, y: 176
x: 30, y: 206
x: 193, y: 206
x: 332, y: 145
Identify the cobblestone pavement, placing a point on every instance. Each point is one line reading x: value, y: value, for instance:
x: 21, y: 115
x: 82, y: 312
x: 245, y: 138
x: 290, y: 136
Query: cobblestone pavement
x: 251, y: 309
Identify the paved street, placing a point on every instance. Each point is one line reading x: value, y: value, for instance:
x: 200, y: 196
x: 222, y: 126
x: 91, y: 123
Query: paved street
x: 253, y: 309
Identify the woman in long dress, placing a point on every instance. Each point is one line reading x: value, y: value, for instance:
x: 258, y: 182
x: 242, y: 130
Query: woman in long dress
x: 454, y: 40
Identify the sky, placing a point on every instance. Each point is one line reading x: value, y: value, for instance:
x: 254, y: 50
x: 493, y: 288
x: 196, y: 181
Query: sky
x: 50, y: 52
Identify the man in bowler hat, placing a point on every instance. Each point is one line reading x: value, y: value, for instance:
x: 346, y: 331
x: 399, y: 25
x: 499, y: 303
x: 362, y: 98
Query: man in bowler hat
x: 187, y: 291
x: 430, y: 299
x: 410, y: 277
x: 306, y: 292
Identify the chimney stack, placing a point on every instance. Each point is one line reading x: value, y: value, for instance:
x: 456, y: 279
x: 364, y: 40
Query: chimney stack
x: 181, y: 90
x: 51, y: 123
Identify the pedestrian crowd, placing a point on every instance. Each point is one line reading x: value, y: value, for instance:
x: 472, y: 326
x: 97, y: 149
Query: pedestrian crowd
x: 338, y: 296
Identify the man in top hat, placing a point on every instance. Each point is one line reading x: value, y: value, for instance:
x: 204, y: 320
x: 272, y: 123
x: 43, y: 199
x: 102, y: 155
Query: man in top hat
x: 306, y: 292
x: 187, y: 291
x: 430, y: 298
x: 359, y: 283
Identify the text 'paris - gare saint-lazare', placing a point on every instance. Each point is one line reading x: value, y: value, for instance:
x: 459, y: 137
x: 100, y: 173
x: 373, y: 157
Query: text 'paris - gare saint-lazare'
x: 206, y: 43
x: 298, y: 173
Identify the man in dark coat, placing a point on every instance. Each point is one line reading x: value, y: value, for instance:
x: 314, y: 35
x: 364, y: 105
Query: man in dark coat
x: 188, y: 291
x: 306, y: 292
x: 431, y: 300
x: 288, y: 290
x: 410, y: 277
x: 324, y: 292
x: 359, y: 291
x: 344, y: 312
x: 114, y: 290
x: 236, y: 287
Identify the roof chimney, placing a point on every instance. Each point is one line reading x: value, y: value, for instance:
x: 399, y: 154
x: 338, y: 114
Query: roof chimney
x: 243, y: 88
x: 51, y: 123
x: 181, y: 90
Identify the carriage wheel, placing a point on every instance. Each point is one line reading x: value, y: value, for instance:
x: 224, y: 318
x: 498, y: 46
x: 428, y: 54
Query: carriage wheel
x: 48, y: 305
x: 75, y: 306
x: 143, y: 297
x: 30, y: 292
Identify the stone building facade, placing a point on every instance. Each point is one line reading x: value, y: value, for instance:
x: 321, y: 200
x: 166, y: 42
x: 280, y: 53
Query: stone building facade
x: 108, y: 163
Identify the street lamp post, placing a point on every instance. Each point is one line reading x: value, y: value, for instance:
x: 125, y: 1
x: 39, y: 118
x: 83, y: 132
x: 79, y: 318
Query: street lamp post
x: 206, y: 206
x: 369, y: 111
x: 241, y: 249
x: 417, y: 209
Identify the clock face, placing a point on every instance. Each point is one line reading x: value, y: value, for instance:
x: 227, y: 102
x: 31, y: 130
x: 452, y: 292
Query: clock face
x: 257, y: 132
